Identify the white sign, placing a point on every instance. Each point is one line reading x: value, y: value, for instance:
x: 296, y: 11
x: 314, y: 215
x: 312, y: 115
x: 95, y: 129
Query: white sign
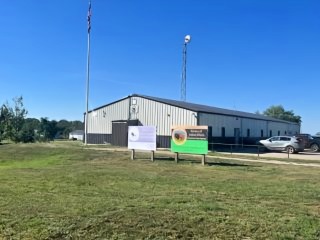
x: 142, y: 138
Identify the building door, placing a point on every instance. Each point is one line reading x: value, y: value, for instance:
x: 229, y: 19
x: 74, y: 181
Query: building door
x: 120, y: 132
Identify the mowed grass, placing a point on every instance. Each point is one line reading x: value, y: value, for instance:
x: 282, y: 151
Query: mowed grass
x: 64, y: 191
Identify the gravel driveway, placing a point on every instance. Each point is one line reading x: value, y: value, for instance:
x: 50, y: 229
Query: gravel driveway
x: 306, y: 155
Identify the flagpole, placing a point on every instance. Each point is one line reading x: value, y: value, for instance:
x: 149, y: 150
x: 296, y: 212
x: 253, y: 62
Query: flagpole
x: 88, y: 76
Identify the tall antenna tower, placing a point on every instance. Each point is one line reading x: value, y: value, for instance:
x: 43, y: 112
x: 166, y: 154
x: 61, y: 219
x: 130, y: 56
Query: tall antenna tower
x: 187, y: 39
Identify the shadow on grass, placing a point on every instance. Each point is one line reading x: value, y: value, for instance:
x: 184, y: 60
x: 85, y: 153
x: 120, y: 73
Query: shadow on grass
x: 170, y: 159
x: 252, y: 150
x: 228, y: 164
x: 165, y: 158
x: 197, y: 161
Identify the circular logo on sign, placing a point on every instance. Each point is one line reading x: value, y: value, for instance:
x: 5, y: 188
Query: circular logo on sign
x: 134, y: 134
x: 179, y: 136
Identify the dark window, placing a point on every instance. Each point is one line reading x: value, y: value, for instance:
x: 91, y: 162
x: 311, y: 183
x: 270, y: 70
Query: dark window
x: 278, y: 133
x: 285, y: 132
x: 285, y: 139
x: 237, y: 132
x: 270, y: 133
x: 261, y: 133
x: 248, y: 132
x: 223, y: 132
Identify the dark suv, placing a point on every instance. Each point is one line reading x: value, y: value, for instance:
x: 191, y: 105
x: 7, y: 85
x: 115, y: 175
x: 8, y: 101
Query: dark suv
x: 313, y: 143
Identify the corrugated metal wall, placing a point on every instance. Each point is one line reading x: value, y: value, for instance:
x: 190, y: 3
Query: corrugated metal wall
x: 219, y: 121
x: 100, y: 120
x: 147, y: 112
x: 164, y: 116
x: 161, y: 115
x: 282, y: 128
x: 255, y: 126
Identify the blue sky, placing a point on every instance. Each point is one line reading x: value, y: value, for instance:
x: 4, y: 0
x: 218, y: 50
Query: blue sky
x: 244, y: 54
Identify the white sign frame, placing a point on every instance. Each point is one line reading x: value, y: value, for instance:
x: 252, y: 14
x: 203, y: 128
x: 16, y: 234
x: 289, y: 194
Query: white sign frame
x: 142, y: 138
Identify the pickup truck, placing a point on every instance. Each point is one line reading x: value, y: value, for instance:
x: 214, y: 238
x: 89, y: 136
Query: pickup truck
x: 311, y: 142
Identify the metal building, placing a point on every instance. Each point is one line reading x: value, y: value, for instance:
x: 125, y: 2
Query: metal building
x: 109, y: 123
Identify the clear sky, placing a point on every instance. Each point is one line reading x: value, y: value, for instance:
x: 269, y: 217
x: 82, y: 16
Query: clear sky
x: 244, y: 55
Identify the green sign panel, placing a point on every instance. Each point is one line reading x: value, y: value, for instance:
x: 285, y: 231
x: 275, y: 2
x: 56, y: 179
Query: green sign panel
x: 189, y: 139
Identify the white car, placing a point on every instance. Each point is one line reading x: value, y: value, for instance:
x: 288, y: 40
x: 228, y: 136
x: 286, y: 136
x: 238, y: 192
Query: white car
x: 284, y: 143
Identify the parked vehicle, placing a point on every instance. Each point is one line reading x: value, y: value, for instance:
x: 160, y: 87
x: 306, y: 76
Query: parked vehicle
x: 313, y: 143
x: 317, y: 137
x: 284, y: 143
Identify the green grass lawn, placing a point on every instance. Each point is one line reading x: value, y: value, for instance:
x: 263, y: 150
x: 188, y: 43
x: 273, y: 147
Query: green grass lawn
x: 63, y: 191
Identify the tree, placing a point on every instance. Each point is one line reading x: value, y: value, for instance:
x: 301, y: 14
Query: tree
x: 4, y: 121
x: 18, y: 114
x: 77, y: 125
x: 280, y: 113
x: 47, y: 129
x: 12, y: 120
x: 65, y: 127
x: 30, y: 130
x: 15, y: 126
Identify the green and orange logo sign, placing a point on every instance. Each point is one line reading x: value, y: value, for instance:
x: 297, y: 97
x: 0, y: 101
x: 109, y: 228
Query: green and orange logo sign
x: 189, y: 139
x: 179, y: 136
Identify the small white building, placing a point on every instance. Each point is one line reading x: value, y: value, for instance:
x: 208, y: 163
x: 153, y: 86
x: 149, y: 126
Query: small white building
x: 109, y: 123
x: 76, y: 135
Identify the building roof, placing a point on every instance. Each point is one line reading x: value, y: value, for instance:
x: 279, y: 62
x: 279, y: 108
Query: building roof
x: 77, y: 132
x: 203, y: 109
x: 208, y: 109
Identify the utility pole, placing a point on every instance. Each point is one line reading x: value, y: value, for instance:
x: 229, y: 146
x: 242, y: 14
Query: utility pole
x: 88, y: 76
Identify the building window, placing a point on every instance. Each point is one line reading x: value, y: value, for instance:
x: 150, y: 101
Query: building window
x: 237, y: 132
x: 248, y: 132
x: 285, y: 132
x: 270, y: 133
x: 261, y: 133
x: 223, y: 132
x: 279, y: 133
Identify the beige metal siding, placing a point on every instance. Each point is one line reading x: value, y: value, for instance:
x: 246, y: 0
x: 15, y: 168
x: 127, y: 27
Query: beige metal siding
x: 148, y: 112
x: 163, y: 116
x: 255, y: 126
x: 283, y: 128
x: 219, y: 121
x: 100, y: 120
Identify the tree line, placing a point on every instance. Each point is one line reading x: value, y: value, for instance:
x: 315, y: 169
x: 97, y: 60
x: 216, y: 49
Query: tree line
x: 16, y: 127
x: 278, y: 111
